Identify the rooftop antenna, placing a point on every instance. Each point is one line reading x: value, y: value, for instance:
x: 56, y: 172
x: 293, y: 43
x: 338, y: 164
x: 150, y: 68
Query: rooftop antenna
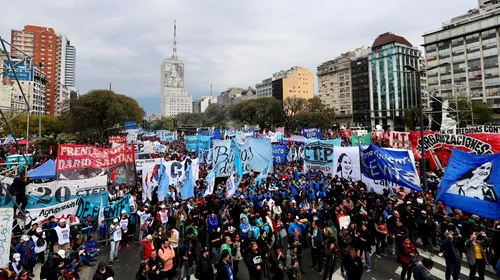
x: 174, y: 54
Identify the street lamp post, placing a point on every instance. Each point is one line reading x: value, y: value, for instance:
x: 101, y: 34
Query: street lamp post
x: 423, y: 170
x: 106, y: 129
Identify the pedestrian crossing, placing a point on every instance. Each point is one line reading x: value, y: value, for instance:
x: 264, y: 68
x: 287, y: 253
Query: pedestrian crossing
x: 439, y: 269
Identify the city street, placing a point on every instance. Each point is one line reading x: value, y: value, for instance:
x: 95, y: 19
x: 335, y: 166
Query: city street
x: 382, y: 268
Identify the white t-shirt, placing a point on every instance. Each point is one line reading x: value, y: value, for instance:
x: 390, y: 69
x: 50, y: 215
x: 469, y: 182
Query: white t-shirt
x: 174, y: 236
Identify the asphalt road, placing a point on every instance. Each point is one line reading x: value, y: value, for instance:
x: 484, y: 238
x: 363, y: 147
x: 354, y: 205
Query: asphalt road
x: 385, y: 268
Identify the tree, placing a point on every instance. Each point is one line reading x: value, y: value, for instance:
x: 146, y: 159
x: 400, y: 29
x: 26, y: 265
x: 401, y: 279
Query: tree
x: 266, y: 112
x: 216, y: 115
x: 98, y: 110
x: 469, y: 112
x: 293, y: 106
x: 411, y: 118
x: 50, y: 125
x: 44, y: 143
x: 163, y: 124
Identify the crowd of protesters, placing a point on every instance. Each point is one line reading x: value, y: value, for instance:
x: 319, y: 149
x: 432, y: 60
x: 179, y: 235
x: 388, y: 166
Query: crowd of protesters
x: 266, y: 226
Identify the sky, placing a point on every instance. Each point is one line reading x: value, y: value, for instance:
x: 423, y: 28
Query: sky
x: 226, y: 43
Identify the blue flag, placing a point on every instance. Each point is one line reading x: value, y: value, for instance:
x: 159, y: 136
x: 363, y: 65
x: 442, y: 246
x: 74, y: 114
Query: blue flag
x: 201, y: 154
x: 264, y: 173
x: 238, y: 167
x: 472, y: 183
x: 164, y: 181
x: 394, y: 166
x: 187, y: 189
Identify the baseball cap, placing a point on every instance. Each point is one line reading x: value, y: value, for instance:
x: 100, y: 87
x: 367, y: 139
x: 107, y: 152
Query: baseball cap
x: 124, y: 211
x: 17, y: 257
x: 162, y: 206
x: 205, y: 249
x: 423, y: 212
x: 115, y: 220
x: 62, y: 220
x: 25, y: 238
x: 408, y: 202
x: 61, y: 253
x: 39, y: 229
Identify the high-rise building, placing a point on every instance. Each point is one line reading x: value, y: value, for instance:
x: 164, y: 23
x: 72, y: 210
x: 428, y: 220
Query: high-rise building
x: 334, y: 86
x: 228, y: 96
x: 462, y: 56
x: 68, y: 62
x: 296, y: 82
x: 360, y: 80
x: 264, y: 88
x: 393, y: 88
x: 175, y: 98
x: 200, y: 105
x: 43, y: 44
x: 32, y: 81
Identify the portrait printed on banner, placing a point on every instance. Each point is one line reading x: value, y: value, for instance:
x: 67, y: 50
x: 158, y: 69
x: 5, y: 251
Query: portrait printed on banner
x: 474, y: 184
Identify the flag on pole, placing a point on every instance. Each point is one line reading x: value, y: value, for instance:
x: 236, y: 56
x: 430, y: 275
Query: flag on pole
x: 230, y: 186
x: 187, y: 189
x: 164, y: 182
x: 211, y: 182
x: 101, y: 219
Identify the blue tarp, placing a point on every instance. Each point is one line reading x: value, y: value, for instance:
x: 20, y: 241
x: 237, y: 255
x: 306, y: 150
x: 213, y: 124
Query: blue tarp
x: 45, y: 171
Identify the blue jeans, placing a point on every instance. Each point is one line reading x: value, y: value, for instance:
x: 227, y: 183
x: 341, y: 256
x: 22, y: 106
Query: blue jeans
x: 114, y: 250
x: 452, y: 270
x: 368, y: 259
x: 215, y: 255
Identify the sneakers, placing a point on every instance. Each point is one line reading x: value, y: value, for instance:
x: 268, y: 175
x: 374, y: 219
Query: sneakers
x: 117, y: 259
x: 384, y: 254
x: 119, y: 247
x: 127, y: 245
x: 321, y: 272
x: 378, y: 256
x: 368, y: 269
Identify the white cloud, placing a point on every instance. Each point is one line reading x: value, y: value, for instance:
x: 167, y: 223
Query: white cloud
x: 222, y: 42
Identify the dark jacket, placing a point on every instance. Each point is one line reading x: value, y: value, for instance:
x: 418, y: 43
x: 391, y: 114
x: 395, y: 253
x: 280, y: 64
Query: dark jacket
x: 450, y: 251
x: 421, y: 273
x: 365, y: 245
x: 318, y: 239
x: 253, y: 260
x: 206, y: 270
x: 222, y: 273
x: 330, y: 256
x: 353, y: 267
x: 103, y: 276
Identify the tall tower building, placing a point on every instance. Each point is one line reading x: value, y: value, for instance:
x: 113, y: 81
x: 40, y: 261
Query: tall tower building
x: 68, y: 62
x: 392, y: 88
x: 43, y: 44
x: 174, y: 97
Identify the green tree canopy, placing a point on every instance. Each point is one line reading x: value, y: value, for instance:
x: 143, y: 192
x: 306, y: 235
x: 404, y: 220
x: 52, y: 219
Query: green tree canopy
x: 411, y: 118
x: 98, y: 110
x: 469, y: 112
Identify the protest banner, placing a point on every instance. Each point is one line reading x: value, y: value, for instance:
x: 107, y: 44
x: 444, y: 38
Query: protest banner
x: 346, y: 163
x: 72, y: 156
x: 59, y: 191
x: 113, y: 210
x: 148, y: 172
x: 392, y: 165
x: 132, y: 135
x: 197, y: 141
x: 438, y: 146
x: 117, y: 139
x: 344, y: 221
x: 255, y: 154
x: 471, y: 183
x: 473, y: 129
x: 41, y: 215
x: 5, y: 199
x: 279, y: 154
x: 318, y: 155
x: 311, y: 133
x: 166, y: 135
x: 399, y: 139
x: 6, y: 220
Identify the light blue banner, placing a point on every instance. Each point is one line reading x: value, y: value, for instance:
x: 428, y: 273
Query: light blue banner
x: 87, y: 207
x: 472, y: 183
x: 197, y: 141
x: 318, y: 155
x: 279, y: 154
x: 255, y: 154
x: 394, y: 166
x: 187, y: 189
x: 166, y: 135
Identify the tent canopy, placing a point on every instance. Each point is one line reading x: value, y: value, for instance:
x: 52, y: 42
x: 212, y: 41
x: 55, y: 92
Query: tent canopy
x: 44, y: 171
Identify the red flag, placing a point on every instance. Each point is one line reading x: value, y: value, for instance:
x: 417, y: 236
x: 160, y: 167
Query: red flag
x: 50, y: 150
x: 112, y: 176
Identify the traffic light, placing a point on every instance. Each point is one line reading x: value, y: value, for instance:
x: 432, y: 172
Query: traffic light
x: 175, y: 123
